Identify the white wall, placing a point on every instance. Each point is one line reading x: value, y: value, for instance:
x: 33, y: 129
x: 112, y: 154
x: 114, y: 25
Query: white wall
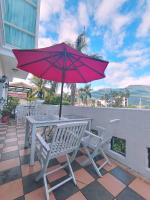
x: 134, y: 127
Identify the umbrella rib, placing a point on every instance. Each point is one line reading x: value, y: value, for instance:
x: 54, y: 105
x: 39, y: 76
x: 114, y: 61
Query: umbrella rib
x: 37, y: 50
x: 88, y: 57
x: 73, y: 62
x: 35, y: 61
x: 78, y: 70
x: 92, y: 68
x: 57, y: 66
x: 49, y: 67
x: 81, y: 76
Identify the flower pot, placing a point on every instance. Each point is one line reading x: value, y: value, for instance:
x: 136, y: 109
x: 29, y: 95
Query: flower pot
x: 5, y: 119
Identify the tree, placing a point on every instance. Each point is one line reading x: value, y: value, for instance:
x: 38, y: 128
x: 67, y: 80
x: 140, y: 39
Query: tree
x: 80, y: 44
x: 116, y: 98
x: 53, y: 87
x: 40, y: 90
x: 85, y: 93
x: 44, y: 89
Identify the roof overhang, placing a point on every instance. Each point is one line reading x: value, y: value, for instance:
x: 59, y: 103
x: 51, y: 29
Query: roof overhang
x: 8, y: 65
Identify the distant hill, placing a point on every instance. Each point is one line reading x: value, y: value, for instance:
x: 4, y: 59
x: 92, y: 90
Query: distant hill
x: 136, y: 92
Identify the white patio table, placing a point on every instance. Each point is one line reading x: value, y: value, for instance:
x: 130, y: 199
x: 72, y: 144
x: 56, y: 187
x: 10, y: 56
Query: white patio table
x: 34, y: 122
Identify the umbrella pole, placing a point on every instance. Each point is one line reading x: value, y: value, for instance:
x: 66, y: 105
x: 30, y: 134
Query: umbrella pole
x: 61, y: 99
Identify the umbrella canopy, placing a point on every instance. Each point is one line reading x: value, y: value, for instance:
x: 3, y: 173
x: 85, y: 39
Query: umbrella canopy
x: 60, y: 63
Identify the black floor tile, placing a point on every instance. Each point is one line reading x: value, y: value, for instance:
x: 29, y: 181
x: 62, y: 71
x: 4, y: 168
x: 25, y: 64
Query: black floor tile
x: 129, y: 194
x: 10, y: 155
x: 29, y: 183
x: 75, y: 166
x: 53, y: 162
x: 65, y: 191
x: 26, y: 159
x: 95, y: 191
x: 98, y: 157
x: 122, y: 175
x: 10, y: 175
x: 92, y: 171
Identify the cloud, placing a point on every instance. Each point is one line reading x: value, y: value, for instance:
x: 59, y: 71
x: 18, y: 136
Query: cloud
x: 113, y: 41
x: 108, y: 15
x: 106, y: 11
x: 144, y: 27
x: 136, y: 56
x: 120, y: 21
x: 68, y: 28
x: 121, y: 74
x: 83, y: 14
x: 143, y: 80
x: 49, y: 7
x: 98, y: 87
x: 42, y: 30
x: 57, y: 19
x: 45, y: 42
x: 116, y: 72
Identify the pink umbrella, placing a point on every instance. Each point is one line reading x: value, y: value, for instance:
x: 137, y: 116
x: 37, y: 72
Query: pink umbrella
x: 60, y: 63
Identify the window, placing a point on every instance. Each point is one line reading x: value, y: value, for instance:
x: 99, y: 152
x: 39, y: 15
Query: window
x: 19, y: 18
x: 118, y: 145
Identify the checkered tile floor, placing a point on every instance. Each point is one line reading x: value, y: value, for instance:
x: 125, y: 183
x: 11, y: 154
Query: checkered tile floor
x: 17, y: 177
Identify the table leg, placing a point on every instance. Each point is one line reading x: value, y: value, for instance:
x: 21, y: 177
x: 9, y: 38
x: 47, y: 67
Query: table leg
x: 33, y: 142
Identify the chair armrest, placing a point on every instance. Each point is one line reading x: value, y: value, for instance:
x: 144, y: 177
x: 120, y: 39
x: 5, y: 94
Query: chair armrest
x: 42, y: 142
x: 93, y: 135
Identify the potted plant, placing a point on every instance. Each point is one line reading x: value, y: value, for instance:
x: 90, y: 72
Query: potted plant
x: 5, y: 114
x: 9, y: 109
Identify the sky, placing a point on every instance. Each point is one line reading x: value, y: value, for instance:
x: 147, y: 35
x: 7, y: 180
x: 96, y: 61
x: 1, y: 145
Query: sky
x: 117, y: 30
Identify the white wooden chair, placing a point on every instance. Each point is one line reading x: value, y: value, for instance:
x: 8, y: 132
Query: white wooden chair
x: 97, y: 144
x: 63, y: 139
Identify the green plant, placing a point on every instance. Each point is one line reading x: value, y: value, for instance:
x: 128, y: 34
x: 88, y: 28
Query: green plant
x: 10, y: 106
x: 6, y: 111
x: 55, y: 100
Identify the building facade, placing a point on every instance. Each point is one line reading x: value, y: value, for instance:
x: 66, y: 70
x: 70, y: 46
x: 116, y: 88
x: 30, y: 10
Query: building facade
x: 19, y: 21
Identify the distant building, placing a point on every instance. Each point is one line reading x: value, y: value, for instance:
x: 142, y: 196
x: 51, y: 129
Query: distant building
x: 19, y: 90
x: 19, y: 21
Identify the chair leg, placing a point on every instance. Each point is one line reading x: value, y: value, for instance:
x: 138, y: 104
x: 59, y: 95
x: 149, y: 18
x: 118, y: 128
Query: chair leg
x: 105, y: 156
x: 46, y: 188
x: 71, y: 171
x: 43, y: 170
x: 40, y: 175
x: 93, y: 162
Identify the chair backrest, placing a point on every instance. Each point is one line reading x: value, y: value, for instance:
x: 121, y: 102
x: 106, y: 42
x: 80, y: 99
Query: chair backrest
x: 67, y: 137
